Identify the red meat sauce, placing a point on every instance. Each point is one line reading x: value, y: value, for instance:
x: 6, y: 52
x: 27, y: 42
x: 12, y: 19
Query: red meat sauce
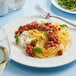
x: 52, y: 38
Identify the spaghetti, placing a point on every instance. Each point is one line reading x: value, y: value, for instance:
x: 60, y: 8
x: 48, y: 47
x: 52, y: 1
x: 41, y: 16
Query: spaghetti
x: 46, y: 39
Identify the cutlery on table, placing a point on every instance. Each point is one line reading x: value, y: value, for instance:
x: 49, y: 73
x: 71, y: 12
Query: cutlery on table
x: 47, y: 15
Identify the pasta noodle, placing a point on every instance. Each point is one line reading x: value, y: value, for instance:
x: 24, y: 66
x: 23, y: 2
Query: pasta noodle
x: 59, y: 45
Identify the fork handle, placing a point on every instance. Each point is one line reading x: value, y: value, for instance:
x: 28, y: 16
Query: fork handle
x: 47, y: 15
x: 74, y: 25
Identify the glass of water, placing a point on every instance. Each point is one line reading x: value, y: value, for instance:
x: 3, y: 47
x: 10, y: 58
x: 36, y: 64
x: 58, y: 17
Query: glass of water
x: 4, y: 50
x: 16, y: 4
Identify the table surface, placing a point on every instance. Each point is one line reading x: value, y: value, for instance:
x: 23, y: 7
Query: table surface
x: 16, y: 69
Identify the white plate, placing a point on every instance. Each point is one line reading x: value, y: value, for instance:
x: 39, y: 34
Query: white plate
x: 18, y: 55
x: 54, y: 2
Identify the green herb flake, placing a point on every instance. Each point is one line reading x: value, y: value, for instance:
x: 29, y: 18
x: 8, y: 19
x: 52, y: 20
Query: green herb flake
x: 51, y: 29
x: 38, y: 50
x: 42, y: 23
x: 47, y: 33
x: 64, y: 26
x: 32, y: 41
x: 41, y: 37
x: 64, y: 34
x: 17, y: 38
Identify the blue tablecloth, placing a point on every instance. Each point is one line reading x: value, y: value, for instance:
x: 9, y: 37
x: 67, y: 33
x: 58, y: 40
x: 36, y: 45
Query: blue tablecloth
x: 15, y: 69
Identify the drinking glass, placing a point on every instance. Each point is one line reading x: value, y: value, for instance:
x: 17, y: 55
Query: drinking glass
x: 4, y: 49
x: 16, y: 4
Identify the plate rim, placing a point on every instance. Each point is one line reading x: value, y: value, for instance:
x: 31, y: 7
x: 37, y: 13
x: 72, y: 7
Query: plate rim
x: 44, y: 66
x: 60, y: 8
x: 12, y: 58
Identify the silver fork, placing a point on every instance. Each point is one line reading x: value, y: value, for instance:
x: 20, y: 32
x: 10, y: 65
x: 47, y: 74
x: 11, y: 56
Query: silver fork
x: 47, y: 15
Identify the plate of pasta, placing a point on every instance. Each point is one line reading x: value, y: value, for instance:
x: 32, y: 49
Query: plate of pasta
x: 41, y: 43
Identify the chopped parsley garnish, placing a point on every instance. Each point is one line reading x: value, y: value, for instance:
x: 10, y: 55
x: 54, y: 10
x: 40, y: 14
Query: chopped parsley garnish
x: 51, y: 29
x: 47, y: 33
x: 64, y: 26
x: 41, y: 37
x: 17, y: 38
x: 42, y: 23
x: 32, y: 41
x: 38, y: 50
